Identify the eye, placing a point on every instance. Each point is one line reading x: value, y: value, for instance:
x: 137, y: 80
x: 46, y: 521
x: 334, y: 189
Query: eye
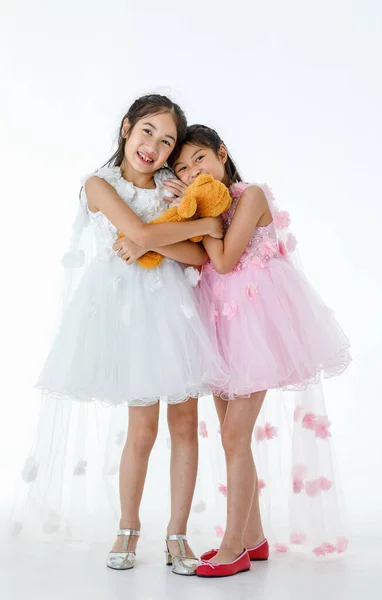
x: 166, y: 142
x: 180, y: 169
x: 199, y: 158
x: 148, y: 131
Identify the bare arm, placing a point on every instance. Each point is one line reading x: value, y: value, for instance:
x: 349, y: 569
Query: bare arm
x: 102, y: 197
x: 184, y: 252
x: 225, y: 253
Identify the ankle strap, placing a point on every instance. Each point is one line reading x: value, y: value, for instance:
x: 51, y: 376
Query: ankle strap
x: 176, y: 537
x: 128, y: 532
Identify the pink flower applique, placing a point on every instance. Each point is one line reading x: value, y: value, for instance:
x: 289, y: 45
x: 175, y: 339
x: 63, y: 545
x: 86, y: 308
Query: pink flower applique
x: 280, y: 547
x: 219, y: 531
x: 309, y: 420
x: 203, y: 429
x: 298, y: 485
x: 251, y: 292
x: 237, y: 189
x: 312, y: 487
x: 298, y: 538
x: 328, y: 548
x: 297, y: 413
x: 342, y: 544
x: 267, y: 247
x: 291, y: 242
x: 281, y: 219
x: 267, y: 432
x: 283, y: 249
x: 230, y: 310
x: 257, y: 262
x: 325, y: 484
x: 223, y: 489
x: 322, y: 427
x: 261, y: 485
x: 268, y: 191
x: 319, y: 551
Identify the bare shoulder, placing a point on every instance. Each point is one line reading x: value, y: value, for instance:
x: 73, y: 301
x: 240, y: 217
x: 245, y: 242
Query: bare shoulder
x: 254, y: 193
x: 95, y: 183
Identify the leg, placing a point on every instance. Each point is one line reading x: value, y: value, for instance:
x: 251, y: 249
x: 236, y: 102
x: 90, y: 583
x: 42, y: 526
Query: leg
x: 183, y: 425
x: 237, y: 433
x: 141, y: 435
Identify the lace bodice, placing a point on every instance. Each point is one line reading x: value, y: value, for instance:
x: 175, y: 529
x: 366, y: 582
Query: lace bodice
x: 147, y: 205
x: 263, y: 244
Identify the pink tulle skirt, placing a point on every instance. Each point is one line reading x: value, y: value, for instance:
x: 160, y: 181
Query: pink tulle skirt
x: 271, y: 328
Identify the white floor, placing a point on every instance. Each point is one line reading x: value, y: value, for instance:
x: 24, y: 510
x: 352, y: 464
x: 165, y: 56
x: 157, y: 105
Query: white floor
x: 47, y: 572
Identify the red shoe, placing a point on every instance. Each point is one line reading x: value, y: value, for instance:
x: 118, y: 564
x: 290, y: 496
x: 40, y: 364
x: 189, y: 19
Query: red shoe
x: 260, y: 552
x: 211, y: 569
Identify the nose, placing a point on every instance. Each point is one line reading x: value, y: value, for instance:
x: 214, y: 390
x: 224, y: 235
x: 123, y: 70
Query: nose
x: 195, y: 172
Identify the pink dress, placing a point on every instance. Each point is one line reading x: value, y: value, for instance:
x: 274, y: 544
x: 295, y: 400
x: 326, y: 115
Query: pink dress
x: 269, y: 324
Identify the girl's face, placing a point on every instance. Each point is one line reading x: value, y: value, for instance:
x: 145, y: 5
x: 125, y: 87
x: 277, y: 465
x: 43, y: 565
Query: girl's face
x: 195, y: 160
x: 150, y: 142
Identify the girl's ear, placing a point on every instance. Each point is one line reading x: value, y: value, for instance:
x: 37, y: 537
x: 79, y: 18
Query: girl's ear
x: 125, y: 128
x: 223, y: 154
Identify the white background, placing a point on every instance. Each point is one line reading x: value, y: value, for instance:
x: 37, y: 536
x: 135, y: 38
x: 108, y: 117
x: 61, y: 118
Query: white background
x: 295, y: 90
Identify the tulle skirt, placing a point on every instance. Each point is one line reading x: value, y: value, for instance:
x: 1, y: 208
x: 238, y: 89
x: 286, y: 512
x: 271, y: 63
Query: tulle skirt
x: 271, y: 327
x: 131, y: 335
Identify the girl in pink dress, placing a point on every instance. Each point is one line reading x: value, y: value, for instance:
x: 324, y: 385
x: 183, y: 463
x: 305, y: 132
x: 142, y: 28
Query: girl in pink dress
x: 271, y: 328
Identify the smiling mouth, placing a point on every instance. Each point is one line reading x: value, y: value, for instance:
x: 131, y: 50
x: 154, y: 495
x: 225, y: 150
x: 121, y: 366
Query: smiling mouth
x: 145, y: 159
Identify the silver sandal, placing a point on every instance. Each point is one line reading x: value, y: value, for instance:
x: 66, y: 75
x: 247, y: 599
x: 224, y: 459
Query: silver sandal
x: 181, y: 564
x: 126, y: 558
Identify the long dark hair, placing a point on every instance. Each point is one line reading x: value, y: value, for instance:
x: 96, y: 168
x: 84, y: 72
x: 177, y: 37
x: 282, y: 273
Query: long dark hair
x: 201, y: 135
x: 145, y: 106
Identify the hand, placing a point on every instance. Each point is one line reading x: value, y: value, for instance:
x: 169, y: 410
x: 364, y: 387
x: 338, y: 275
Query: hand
x: 215, y: 227
x: 175, y: 186
x: 128, y: 250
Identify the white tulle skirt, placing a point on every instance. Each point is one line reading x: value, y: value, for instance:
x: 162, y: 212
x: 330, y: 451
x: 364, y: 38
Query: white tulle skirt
x: 131, y: 335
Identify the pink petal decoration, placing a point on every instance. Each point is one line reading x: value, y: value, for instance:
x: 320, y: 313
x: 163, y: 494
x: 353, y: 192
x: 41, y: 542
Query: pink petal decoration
x: 298, y: 485
x: 203, y: 429
x: 261, y: 485
x: 342, y: 544
x: 309, y: 420
x: 280, y: 548
x: 291, y: 242
x: 259, y: 434
x: 267, y: 247
x: 283, y: 249
x: 298, y: 538
x: 258, y: 262
x: 223, y: 489
x: 321, y: 427
x: 325, y: 484
x: 219, y: 531
x: 281, y: 219
x: 328, y: 548
x: 270, y: 431
x: 312, y: 487
x: 319, y: 551
x: 230, y: 310
x: 251, y: 292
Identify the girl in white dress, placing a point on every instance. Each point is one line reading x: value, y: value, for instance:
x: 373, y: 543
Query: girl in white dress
x: 133, y: 335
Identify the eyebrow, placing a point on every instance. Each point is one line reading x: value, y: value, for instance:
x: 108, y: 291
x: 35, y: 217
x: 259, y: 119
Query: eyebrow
x: 180, y: 162
x: 167, y: 134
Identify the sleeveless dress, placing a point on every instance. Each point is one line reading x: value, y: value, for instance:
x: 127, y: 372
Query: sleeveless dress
x: 271, y: 327
x: 127, y: 334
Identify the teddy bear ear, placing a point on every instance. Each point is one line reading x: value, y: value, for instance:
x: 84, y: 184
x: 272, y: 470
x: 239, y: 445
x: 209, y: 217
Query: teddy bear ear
x: 202, y: 179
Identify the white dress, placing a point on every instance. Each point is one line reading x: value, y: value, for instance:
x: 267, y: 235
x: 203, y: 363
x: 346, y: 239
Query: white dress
x: 128, y: 334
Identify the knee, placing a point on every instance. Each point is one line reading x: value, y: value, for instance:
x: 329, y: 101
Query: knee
x: 144, y: 439
x: 234, y: 442
x: 184, y: 429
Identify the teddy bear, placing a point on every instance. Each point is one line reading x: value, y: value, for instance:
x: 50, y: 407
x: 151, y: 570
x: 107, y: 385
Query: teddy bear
x: 205, y: 197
